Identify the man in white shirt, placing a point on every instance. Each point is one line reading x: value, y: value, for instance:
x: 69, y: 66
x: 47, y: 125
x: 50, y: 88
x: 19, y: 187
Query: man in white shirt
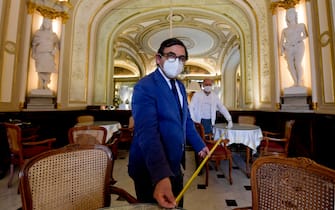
x: 203, y: 107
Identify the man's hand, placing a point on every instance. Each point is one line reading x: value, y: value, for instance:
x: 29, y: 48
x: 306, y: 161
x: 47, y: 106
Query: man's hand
x: 230, y: 124
x: 204, y: 152
x: 163, y: 194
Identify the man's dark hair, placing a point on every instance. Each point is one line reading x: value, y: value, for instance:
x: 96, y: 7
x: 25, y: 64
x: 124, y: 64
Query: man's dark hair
x: 170, y: 42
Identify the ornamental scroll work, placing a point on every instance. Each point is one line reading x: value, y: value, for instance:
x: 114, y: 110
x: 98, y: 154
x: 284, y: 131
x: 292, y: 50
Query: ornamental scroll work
x: 286, y: 4
x: 50, y: 9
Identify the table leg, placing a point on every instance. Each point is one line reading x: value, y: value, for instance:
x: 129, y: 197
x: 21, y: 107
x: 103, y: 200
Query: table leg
x: 247, y: 162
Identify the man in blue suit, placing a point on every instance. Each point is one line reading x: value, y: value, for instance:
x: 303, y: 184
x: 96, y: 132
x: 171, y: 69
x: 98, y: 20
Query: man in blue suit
x: 162, y: 127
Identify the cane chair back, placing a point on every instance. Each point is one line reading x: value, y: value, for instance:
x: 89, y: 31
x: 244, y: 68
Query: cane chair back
x: 277, y: 146
x: 73, y: 177
x: 90, y: 135
x: 222, y: 152
x: 291, y: 183
x: 87, y: 134
x: 22, y: 148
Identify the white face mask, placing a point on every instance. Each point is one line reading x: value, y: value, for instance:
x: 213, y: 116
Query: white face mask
x: 208, y: 89
x: 172, y: 69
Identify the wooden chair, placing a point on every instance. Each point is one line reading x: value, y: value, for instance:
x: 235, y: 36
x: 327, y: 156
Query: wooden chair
x: 126, y: 133
x: 23, y: 147
x: 221, y: 152
x: 276, y: 146
x: 72, y: 177
x: 249, y: 120
x: 87, y: 134
x: 90, y: 135
x: 291, y: 183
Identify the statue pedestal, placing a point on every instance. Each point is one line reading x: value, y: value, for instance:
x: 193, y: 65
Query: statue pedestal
x: 41, y: 99
x: 124, y: 107
x: 296, y: 99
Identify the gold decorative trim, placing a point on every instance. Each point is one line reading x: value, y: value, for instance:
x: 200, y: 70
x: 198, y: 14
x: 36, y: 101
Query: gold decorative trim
x: 21, y: 105
x: 10, y: 47
x: 324, y: 38
x: 278, y: 106
x: 286, y: 4
x: 314, y: 105
x: 50, y: 9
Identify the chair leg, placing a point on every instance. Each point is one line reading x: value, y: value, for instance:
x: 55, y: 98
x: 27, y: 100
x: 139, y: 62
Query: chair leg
x: 230, y: 170
x: 207, y: 174
x: 112, y: 181
x: 247, y: 161
x: 217, y: 165
x: 11, y: 176
x: 114, y: 151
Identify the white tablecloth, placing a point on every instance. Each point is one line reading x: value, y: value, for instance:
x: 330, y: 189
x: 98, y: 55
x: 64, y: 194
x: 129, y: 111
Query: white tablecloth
x: 248, y: 135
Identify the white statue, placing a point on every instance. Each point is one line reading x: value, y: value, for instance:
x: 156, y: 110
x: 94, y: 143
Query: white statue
x: 44, y: 45
x: 292, y: 45
x: 124, y: 95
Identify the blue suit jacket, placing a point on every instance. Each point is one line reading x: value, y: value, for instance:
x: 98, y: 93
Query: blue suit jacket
x: 159, y: 134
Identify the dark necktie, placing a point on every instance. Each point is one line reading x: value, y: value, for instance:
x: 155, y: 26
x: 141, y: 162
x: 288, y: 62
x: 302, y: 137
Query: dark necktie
x: 175, y: 93
x: 176, y: 96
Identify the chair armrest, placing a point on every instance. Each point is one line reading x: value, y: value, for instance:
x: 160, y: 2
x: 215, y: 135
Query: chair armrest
x: 112, y: 141
x: 243, y: 208
x: 126, y: 130
x: 271, y: 134
x: 275, y: 139
x: 34, y: 143
x: 30, y: 138
x: 122, y: 193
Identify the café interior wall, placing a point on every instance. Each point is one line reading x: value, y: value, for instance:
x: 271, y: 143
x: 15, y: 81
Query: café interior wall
x: 324, y: 28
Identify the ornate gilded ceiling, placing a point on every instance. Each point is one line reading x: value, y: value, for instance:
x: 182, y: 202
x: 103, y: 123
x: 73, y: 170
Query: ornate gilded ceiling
x: 206, y: 38
x: 221, y: 36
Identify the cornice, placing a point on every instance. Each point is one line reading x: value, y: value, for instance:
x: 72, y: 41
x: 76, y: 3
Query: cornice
x: 50, y: 9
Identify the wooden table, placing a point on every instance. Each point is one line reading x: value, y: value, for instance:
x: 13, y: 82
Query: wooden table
x: 246, y: 134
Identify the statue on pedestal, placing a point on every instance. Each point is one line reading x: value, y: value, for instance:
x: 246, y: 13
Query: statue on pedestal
x: 124, y: 95
x: 44, y: 45
x: 292, y: 45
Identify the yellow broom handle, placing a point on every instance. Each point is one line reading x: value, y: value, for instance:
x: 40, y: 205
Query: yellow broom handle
x: 195, y: 174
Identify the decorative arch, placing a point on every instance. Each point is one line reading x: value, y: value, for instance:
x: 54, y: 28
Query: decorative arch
x: 98, y: 24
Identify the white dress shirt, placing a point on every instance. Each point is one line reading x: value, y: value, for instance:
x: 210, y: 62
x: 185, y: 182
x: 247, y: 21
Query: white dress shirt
x: 199, y: 107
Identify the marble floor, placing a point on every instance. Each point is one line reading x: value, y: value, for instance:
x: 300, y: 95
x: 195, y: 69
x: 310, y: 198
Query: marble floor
x: 219, y: 195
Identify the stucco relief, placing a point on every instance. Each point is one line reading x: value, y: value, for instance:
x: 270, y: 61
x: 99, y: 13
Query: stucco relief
x: 247, y: 53
x: 106, y: 24
x: 263, y: 18
x: 79, y: 68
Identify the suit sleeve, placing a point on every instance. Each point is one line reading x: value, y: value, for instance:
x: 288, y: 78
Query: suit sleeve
x: 145, y: 112
x: 222, y: 109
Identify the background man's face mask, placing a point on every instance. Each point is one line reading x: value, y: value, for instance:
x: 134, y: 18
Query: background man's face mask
x: 208, y: 88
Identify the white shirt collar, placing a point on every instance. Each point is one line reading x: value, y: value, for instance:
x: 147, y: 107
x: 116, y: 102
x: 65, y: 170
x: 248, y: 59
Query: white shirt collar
x: 165, y: 77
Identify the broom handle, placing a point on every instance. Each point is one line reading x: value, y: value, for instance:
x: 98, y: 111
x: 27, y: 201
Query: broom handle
x: 195, y: 174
